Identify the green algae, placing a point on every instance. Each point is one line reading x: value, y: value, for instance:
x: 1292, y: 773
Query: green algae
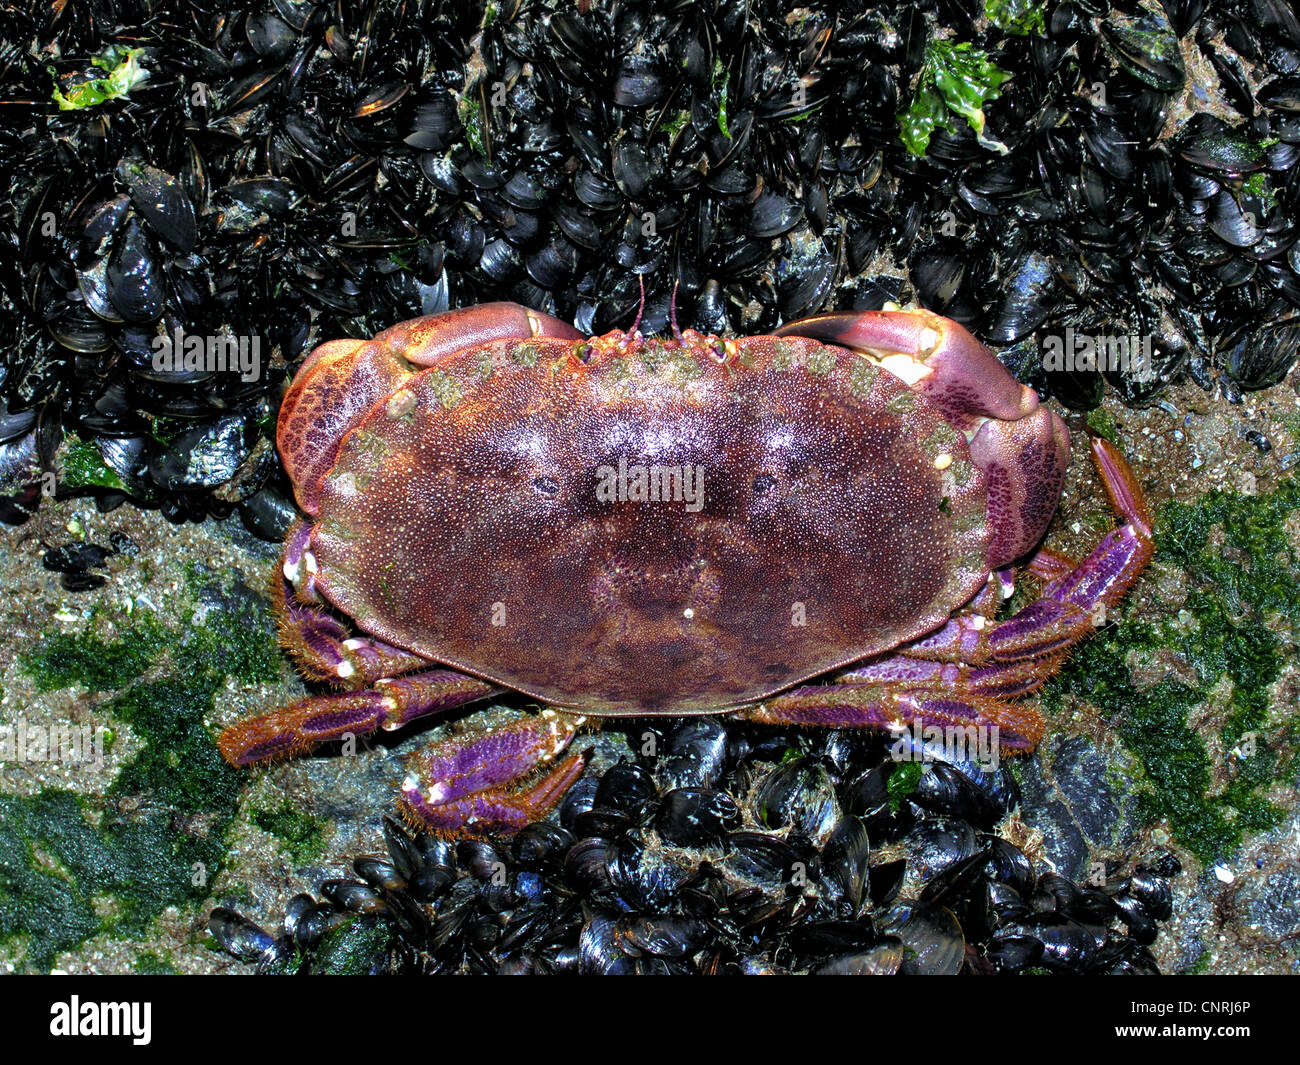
x: 75, y: 866
x: 1232, y: 634
x: 82, y: 466
x: 151, y: 964
x: 1102, y: 422
x: 902, y: 782
x: 302, y: 834
x: 61, y: 660
x: 122, y: 73
x: 353, y: 948
x: 956, y: 81
x: 1021, y: 17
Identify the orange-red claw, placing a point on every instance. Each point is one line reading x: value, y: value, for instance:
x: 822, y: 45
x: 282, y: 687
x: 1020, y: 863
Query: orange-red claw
x: 1022, y: 448
x: 341, y: 380
x: 426, y: 341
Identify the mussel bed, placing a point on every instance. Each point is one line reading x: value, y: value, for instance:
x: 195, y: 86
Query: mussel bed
x: 733, y: 850
x: 293, y: 171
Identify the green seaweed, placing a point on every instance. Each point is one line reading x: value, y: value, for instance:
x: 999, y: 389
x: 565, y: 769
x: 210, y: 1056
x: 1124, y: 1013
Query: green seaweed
x: 61, y: 660
x: 302, y: 834
x: 470, y: 109
x: 230, y: 636
x: 720, y: 91
x: 902, y: 782
x: 179, y: 767
x: 1102, y: 422
x: 353, y: 948
x: 1018, y: 17
x: 1236, y: 624
x: 82, y: 466
x: 957, y: 79
x: 677, y: 123
x: 74, y: 866
x: 123, y: 72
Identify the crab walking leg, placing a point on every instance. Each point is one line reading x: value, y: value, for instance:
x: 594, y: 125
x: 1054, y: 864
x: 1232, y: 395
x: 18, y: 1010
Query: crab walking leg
x: 987, y: 600
x: 1114, y: 566
x: 320, y: 643
x: 997, y: 681
x: 462, y: 784
x: 326, y: 651
x: 966, y: 673
x: 390, y: 704
x: 892, y: 708
x: 1048, y: 564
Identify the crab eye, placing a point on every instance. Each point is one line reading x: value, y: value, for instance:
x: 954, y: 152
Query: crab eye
x: 584, y: 353
x: 547, y: 486
x: 718, y: 349
x: 763, y: 483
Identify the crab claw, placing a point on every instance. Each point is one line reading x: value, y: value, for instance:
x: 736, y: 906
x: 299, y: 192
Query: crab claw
x: 1022, y: 448
x: 935, y: 356
x: 341, y: 380
x: 1025, y: 462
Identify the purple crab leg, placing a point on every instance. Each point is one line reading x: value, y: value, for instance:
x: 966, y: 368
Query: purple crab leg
x: 324, y: 648
x: 317, y: 719
x: 892, y: 707
x: 1074, y: 605
x: 463, y: 784
x: 999, y: 681
x: 967, y: 672
x: 1001, y: 584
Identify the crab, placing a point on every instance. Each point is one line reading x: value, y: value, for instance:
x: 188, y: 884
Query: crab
x: 816, y: 527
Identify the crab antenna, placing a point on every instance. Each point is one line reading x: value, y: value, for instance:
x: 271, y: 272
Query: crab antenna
x: 641, y: 309
x: 672, y: 311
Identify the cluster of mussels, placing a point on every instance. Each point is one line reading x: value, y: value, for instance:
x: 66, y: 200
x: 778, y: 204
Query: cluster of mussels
x: 735, y: 850
x: 291, y: 171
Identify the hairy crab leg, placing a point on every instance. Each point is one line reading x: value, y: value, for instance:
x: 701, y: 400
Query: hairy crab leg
x: 998, y: 681
x: 1075, y: 605
x: 317, y: 719
x: 465, y: 784
x: 996, y: 591
x: 326, y: 651
x: 1049, y: 565
x: 323, y: 646
x: 894, y: 707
